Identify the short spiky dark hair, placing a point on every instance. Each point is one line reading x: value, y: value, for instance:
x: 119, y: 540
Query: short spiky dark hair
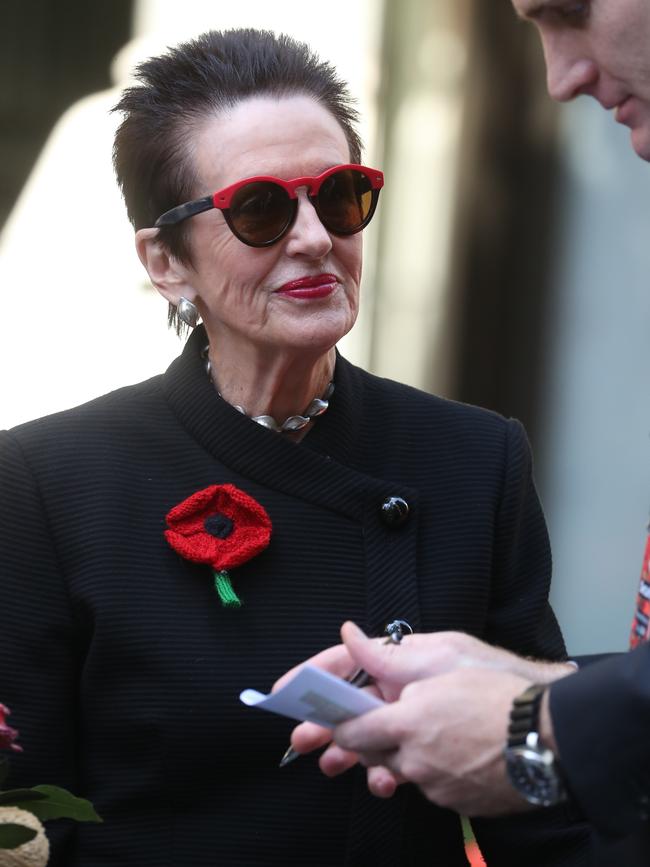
x: 182, y: 87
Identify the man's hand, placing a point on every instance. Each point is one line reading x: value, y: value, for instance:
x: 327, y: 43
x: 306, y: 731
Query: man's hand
x: 447, y: 735
x: 392, y: 667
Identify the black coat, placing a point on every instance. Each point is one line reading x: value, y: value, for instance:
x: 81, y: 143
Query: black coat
x: 123, y: 670
x: 601, y: 719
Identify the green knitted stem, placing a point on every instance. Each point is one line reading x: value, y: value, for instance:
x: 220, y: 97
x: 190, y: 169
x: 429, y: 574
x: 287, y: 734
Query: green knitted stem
x: 229, y: 598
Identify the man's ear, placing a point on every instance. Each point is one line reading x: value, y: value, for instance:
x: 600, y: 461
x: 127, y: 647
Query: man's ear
x: 168, y: 275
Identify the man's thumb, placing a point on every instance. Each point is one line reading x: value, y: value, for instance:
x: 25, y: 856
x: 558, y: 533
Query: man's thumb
x: 373, y: 655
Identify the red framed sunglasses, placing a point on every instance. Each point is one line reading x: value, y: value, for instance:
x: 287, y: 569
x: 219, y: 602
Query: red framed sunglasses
x: 261, y: 210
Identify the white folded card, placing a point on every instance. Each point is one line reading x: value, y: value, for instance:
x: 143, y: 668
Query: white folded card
x: 315, y: 695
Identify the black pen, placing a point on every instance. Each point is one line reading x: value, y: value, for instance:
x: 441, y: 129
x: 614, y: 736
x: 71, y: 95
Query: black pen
x: 394, y: 632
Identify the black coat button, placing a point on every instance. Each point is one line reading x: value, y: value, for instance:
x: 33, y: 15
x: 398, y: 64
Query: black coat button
x: 394, y: 511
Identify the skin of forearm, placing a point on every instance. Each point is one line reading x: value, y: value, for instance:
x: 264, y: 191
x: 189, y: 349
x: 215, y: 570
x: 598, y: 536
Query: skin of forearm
x: 537, y: 671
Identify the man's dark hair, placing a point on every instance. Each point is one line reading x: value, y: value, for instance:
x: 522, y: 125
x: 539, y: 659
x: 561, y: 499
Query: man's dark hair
x: 197, y: 79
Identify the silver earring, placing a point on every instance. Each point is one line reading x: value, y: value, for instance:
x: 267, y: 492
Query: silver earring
x: 187, y: 312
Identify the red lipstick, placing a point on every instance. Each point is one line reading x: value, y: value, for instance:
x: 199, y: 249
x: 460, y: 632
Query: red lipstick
x: 318, y: 286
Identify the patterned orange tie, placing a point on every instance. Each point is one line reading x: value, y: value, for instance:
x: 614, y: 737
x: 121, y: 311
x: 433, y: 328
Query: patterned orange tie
x: 641, y: 624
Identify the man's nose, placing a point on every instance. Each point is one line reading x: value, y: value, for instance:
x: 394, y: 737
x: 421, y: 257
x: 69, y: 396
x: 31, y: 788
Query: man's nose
x: 569, y: 72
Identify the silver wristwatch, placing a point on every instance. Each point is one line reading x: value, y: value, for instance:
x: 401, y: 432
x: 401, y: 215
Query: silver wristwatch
x: 532, y: 768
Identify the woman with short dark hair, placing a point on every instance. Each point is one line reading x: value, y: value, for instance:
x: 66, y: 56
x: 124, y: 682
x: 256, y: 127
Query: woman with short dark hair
x: 173, y: 542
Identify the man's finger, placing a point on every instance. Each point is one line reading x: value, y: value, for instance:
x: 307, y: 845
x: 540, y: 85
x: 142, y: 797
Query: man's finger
x: 394, y: 665
x: 382, y: 783
x: 335, y: 760
x: 308, y: 736
x: 374, y: 731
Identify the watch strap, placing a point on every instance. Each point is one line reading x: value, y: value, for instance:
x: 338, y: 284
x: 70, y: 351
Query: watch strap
x: 524, y: 715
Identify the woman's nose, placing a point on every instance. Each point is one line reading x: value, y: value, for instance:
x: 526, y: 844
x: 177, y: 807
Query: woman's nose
x: 569, y: 72
x: 308, y: 236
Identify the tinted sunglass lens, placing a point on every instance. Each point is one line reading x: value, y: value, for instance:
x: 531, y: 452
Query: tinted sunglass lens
x: 261, y: 212
x: 345, y: 201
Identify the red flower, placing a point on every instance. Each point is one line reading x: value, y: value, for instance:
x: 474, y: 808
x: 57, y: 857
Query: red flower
x: 222, y: 526
x: 7, y: 734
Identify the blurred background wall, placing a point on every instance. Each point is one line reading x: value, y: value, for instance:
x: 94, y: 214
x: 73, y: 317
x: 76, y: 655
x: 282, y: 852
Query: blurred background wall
x: 508, y: 265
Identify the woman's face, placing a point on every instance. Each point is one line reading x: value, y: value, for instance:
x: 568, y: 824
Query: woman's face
x: 246, y: 295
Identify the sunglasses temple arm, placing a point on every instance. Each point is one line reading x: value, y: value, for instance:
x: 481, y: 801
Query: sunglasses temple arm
x: 182, y: 212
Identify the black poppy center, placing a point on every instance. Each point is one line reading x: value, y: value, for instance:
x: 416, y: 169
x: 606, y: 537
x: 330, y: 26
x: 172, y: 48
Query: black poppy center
x: 218, y: 525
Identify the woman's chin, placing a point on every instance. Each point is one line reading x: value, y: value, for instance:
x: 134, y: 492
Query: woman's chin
x: 315, y: 333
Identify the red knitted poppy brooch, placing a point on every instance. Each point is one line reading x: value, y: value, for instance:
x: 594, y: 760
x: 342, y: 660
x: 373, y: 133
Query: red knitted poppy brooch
x: 222, y: 526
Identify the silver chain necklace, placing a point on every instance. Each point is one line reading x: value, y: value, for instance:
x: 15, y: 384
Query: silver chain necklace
x: 290, y: 425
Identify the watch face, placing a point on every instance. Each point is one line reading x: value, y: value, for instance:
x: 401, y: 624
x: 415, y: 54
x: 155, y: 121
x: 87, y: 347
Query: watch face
x: 534, y: 776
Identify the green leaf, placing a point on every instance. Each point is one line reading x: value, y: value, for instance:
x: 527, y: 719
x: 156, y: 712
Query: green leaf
x: 12, y: 836
x: 57, y: 803
x: 12, y: 797
x: 224, y: 588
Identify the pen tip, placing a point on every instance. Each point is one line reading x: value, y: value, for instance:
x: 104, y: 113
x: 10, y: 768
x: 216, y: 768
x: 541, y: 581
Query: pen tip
x: 288, y: 757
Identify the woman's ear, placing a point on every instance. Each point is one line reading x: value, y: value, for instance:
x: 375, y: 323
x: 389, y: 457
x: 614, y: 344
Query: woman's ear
x: 168, y: 275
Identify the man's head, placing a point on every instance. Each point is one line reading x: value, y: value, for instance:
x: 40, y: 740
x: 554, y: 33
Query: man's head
x: 600, y: 48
